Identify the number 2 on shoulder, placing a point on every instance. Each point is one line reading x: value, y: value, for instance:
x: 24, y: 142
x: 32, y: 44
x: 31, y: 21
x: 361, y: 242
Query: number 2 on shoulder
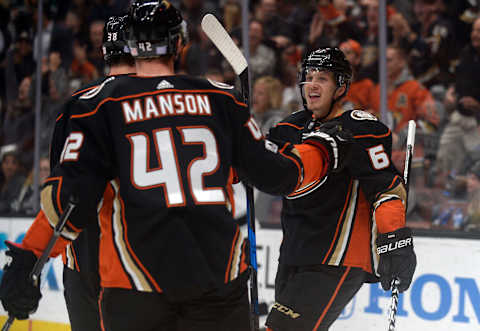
x: 378, y: 157
x: 72, y: 147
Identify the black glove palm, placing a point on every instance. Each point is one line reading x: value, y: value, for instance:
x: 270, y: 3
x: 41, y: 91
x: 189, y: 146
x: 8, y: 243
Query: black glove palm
x: 18, y: 294
x: 397, y: 258
x: 336, y: 139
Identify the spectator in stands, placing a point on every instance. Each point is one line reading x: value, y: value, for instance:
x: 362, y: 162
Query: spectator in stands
x: 290, y: 56
x: 94, y: 51
x: 431, y: 65
x: 460, y: 139
x: 82, y: 69
x: 266, y: 12
x: 359, y: 94
x: 232, y: 15
x: 467, y: 71
x: 267, y: 100
x: 55, y: 88
x: 24, y: 203
x: 407, y: 98
x: 330, y: 25
x: 262, y: 58
x: 101, y: 10
x: 199, y: 55
x: 12, y: 178
x: 18, y: 123
x: 19, y: 64
x: 55, y: 36
x: 194, y: 10
x: 472, y: 222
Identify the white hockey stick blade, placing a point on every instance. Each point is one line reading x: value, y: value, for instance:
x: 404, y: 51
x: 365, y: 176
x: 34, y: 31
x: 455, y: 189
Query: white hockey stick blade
x: 222, y: 40
x: 411, y: 133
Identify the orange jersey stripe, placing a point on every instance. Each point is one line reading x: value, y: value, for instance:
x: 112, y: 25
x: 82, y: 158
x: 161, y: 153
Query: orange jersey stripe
x: 331, y: 299
x: 358, y: 250
x: 112, y: 273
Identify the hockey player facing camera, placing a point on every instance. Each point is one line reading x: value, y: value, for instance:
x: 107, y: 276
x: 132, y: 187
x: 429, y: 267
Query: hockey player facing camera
x: 164, y: 146
x: 332, y: 228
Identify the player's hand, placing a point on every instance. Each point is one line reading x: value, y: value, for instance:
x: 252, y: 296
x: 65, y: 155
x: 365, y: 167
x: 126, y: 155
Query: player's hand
x: 397, y: 258
x: 336, y: 139
x: 18, y: 294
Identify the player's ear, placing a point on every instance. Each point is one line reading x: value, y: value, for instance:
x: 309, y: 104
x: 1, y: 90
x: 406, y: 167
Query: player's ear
x: 339, y: 91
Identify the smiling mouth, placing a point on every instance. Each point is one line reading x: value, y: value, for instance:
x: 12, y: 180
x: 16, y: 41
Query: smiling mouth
x: 314, y: 96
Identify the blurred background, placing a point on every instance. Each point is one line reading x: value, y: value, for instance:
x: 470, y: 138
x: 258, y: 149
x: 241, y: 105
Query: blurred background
x: 431, y: 55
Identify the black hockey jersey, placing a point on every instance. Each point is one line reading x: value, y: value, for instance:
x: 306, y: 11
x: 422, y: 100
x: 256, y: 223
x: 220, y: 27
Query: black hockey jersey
x: 163, y: 149
x: 333, y: 220
x: 82, y: 254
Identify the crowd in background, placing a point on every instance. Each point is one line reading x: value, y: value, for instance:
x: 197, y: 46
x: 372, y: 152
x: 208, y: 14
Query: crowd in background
x: 433, y: 65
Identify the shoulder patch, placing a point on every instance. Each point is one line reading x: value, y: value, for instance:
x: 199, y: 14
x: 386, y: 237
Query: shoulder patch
x: 93, y: 92
x: 220, y: 85
x: 361, y: 115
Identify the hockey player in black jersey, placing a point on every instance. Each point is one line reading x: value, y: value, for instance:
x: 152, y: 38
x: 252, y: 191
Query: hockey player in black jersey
x: 332, y: 228
x: 163, y: 148
x: 81, y: 277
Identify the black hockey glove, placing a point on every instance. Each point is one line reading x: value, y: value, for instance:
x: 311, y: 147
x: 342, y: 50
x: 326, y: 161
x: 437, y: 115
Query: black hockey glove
x: 18, y: 294
x: 336, y: 139
x: 397, y: 258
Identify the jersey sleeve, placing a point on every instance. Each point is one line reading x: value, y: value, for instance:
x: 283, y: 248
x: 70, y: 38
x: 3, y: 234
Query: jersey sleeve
x: 377, y: 175
x: 82, y: 171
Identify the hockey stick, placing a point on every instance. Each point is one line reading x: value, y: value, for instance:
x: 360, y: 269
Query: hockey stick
x: 406, y: 174
x: 222, y: 40
x: 38, y: 266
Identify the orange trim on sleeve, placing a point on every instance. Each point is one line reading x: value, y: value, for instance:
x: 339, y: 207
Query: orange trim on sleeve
x: 390, y: 216
x: 38, y: 235
x: 373, y: 135
x: 314, y: 162
x: 290, y: 124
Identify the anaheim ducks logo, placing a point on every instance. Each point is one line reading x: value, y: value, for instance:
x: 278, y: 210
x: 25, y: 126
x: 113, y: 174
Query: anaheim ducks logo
x: 361, y: 115
x: 93, y: 92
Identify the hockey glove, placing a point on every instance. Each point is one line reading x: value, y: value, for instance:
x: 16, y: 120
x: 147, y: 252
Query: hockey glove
x: 336, y: 139
x: 397, y: 258
x: 18, y: 294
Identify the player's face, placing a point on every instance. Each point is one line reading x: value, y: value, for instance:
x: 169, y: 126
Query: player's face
x: 319, y: 89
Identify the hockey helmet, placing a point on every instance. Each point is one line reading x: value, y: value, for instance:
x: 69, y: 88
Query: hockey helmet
x: 155, y: 27
x: 114, y: 38
x: 330, y: 59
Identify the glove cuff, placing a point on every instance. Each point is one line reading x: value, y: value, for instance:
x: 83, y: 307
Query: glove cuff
x: 390, y: 242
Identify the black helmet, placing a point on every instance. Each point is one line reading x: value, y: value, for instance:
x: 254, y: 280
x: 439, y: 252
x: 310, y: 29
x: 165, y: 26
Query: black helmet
x: 330, y: 59
x: 114, y: 38
x: 155, y: 27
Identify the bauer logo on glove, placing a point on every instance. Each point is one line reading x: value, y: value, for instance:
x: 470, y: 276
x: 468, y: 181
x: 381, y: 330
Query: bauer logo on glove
x: 395, y: 245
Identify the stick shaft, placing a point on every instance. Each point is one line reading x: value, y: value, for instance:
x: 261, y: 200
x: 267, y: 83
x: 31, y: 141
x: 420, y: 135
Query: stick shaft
x: 406, y: 176
x: 221, y: 39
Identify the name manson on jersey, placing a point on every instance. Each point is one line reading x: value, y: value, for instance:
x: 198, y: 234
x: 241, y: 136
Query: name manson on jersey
x: 171, y: 104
